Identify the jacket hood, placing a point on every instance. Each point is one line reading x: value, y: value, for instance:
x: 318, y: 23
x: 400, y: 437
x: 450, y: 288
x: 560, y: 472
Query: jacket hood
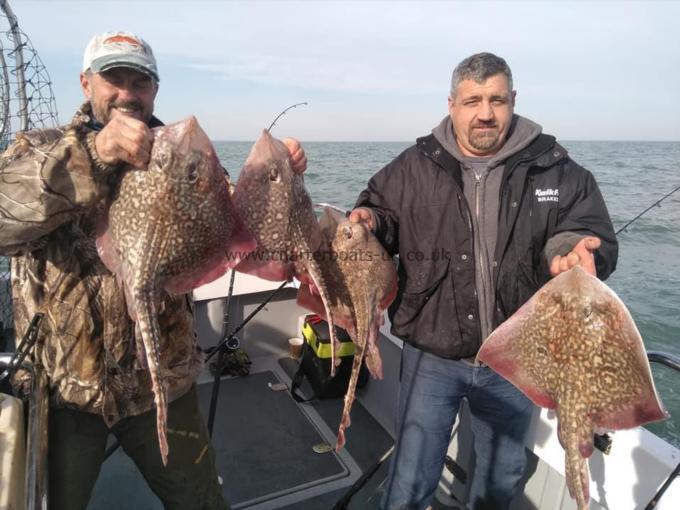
x: 522, y: 132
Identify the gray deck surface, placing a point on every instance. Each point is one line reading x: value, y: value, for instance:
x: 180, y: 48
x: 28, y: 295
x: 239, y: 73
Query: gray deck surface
x: 367, y: 441
x: 263, y: 441
x: 263, y: 444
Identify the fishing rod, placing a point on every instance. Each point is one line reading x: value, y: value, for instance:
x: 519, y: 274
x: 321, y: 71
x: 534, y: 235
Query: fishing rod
x: 361, y: 481
x: 657, y: 203
x: 25, y: 346
x: 269, y: 129
x: 231, y: 337
x: 220, y: 356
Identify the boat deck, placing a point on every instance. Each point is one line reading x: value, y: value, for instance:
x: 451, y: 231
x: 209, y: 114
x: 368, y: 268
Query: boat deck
x: 264, y: 447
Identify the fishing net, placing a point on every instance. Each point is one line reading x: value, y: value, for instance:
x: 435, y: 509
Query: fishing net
x: 26, y: 102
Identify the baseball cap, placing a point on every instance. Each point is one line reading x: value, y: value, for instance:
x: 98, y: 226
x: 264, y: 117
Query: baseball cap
x: 119, y: 49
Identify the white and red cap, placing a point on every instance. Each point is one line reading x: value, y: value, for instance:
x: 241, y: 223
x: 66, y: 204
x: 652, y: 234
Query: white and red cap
x: 119, y: 49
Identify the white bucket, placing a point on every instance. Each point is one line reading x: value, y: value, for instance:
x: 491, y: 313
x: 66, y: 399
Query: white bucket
x: 12, y: 453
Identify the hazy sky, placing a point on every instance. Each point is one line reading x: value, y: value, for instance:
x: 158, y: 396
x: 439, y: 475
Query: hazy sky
x: 380, y: 70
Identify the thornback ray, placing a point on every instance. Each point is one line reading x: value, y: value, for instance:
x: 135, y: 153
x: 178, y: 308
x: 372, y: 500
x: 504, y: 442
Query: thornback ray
x: 170, y: 228
x: 362, y: 282
x: 574, y: 347
x: 276, y: 208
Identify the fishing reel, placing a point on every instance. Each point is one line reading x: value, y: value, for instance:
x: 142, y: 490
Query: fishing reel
x: 232, y: 360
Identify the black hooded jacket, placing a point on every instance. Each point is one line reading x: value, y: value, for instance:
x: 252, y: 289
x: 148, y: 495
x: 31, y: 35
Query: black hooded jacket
x: 422, y: 215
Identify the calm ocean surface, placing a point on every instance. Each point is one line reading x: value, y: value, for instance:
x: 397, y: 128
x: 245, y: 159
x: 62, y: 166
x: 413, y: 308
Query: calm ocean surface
x: 631, y: 175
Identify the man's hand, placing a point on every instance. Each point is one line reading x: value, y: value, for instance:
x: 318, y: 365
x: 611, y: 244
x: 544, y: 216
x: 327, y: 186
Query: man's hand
x: 124, y: 139
x: 362, y: 215
x: 298, y: 159
x: 582, y: 255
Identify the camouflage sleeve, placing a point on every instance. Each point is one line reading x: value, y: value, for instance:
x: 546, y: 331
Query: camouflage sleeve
x: 46, y: 178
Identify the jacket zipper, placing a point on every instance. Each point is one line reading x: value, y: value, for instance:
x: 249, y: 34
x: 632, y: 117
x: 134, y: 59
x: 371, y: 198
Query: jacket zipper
x: 483, y: 319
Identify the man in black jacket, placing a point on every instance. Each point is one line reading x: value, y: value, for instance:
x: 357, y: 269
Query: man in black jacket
x: 482, y: 212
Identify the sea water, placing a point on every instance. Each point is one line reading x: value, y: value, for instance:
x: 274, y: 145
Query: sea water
x: 631, y: 176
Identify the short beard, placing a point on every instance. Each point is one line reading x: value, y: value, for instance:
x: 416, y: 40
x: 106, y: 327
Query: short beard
x: 484, y: 142
x: 100, y: 114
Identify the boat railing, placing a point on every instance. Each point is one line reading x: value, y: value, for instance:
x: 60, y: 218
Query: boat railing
x: 664, y: 358
x: 36, y: 430
x: 670, y: 361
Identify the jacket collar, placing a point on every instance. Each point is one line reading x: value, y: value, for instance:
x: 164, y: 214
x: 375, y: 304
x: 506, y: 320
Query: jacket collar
x: 433, y: 150
x: 542, y: 152
x: 430, y: 146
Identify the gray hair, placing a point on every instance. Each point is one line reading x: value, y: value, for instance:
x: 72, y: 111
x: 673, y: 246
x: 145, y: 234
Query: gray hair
x: 479, y: 67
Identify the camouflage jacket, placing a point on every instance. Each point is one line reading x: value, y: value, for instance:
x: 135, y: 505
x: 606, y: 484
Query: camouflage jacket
x: 53, y: 190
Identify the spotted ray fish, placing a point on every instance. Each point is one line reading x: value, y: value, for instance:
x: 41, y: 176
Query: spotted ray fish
x: 171, y: 227
x: 275, y: 206
x: 362, y: 283
x: 574, y: 347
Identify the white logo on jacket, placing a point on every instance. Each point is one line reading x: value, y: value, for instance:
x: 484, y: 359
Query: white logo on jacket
x: 547, y: 195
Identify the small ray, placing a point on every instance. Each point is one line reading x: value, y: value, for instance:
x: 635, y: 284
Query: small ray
x: 362, y: 282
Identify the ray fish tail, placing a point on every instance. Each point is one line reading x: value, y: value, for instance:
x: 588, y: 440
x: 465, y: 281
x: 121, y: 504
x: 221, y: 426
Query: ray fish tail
x: 314, y: 271
x: 145, y: 296
x: 576, y: 438
x: 363, y: 309
x: 151, y: 334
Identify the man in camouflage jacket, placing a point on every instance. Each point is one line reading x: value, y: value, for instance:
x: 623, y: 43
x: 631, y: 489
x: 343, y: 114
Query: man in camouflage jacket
x: 54, y: 188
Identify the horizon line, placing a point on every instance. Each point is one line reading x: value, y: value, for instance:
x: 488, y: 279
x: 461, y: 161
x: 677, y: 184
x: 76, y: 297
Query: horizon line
x: 413, y: 141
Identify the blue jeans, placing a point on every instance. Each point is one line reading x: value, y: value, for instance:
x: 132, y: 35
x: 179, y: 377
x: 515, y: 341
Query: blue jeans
x: 430, y: 393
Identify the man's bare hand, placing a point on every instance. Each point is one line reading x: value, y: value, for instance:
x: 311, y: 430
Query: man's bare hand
x: 124, y: 139
x: 582, y: 254
x: 298, y: 159
x: 362, y: 215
